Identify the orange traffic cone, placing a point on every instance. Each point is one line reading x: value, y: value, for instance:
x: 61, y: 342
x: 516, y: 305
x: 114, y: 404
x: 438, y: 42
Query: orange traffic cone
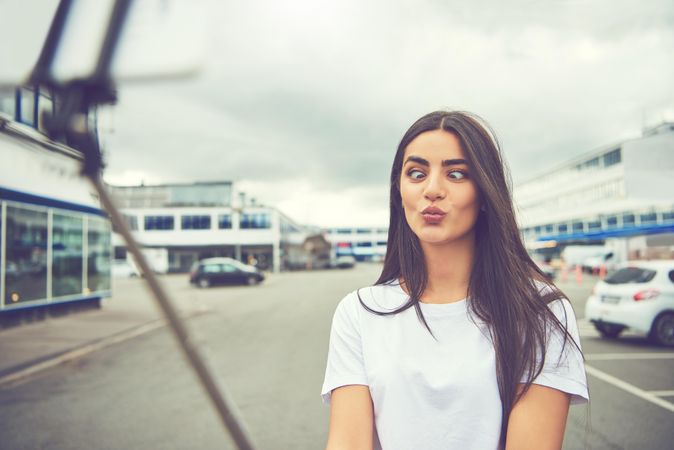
x: 564, y: 272
x: 602, y: 271
x: 579, y: 274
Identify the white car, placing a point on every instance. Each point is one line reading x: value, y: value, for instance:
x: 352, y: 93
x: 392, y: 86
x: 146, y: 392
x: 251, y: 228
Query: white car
x: 121, y: 268
x: 640, y: 296
x: 345, y: 262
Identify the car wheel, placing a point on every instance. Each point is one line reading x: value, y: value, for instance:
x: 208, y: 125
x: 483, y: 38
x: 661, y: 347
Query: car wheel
x: 251, y: 281
x: 609, y: 330
x: 204, y: 282
x: 662, y: 331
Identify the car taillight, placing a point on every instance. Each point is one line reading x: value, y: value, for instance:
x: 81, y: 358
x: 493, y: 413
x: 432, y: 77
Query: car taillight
x: 646, y: 294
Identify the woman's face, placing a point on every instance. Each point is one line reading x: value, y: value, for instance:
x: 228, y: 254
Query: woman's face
x: 438, y: 194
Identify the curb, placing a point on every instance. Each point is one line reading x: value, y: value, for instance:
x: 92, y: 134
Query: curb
x: 24, y: 370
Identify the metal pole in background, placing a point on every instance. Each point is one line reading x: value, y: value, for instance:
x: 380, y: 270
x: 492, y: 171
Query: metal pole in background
x: 219, y: 397
x: 70, y: 122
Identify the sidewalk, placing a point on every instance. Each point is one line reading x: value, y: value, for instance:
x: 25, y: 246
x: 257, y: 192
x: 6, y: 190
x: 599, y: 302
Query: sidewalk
x: 131, y: 311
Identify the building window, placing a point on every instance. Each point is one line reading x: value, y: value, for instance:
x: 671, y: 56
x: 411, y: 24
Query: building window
x: 27, y: 105
x: 119, y: 252
x: 202, y: 222
x: 364, y: 244
x: 648, y: 219
x: 343, y: 230
x: 613, y: 157
x: 612, y: 221
x: 26, y: 253
x: 594, y: 225
x: 224, y: 221
x: 98, y: 257
x: 577, y: 227
x: 628, y: 220
x: 562, y: 228
x: 548, y: 229
x: 67, y: 255
x: 158, y: 222
x: 255, y: 221
x: 363, y: 230
x: 384, y: 243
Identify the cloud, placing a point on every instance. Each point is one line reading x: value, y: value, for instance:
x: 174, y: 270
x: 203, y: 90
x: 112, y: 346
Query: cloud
x: 322, y: 91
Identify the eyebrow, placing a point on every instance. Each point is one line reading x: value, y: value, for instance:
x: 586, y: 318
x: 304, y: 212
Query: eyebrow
x: 446, y: 162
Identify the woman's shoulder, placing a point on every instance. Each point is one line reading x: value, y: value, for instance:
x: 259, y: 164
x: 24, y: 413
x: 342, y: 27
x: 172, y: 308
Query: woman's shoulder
x: 379, y: 297
x: 556, y: 301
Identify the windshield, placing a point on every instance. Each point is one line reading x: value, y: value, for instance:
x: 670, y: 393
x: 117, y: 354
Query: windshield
x: 631, y: 275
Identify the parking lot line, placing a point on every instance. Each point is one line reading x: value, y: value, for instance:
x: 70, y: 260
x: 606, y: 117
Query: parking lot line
x: 648, y: 396
x: 662, y: 393
x: 623, y: 356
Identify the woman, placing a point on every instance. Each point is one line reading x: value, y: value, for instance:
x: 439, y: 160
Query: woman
x: 462, y: 343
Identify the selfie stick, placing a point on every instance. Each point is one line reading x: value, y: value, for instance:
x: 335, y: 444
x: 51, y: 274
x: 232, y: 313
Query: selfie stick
x: 70, y: 123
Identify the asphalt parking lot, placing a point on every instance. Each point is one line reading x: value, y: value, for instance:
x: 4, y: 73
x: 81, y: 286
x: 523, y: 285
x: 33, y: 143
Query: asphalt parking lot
x: 631, y: 386
x: 269, y: 345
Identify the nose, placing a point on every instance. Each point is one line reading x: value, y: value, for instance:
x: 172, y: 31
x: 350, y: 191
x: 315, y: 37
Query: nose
x: 434, y: 189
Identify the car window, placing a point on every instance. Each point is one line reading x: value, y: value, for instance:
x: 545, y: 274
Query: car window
x: 228, y: 268
x: 631, y: 275
x: 211, y: 268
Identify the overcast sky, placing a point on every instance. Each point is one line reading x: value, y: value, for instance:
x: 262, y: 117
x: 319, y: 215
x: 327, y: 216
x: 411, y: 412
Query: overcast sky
x: 302, y: 103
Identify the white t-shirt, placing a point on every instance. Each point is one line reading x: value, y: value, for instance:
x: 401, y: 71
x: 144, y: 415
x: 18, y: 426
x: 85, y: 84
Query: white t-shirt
x: 430, y: 394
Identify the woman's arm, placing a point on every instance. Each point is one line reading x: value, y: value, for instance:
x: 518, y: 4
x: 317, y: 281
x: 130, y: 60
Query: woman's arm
x: 351, y: 419
x: 538, y: 419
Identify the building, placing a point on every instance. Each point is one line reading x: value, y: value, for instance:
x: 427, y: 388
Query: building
x: 363, y: 243
x: 183, y: 223
x: 54, y: 238
x: 616, y: 192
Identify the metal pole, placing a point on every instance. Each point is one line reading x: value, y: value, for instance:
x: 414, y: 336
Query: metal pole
x: 219, y: 397
x: 70, y: 122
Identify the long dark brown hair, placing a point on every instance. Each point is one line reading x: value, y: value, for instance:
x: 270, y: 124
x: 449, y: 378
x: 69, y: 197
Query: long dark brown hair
x: 505, y: 287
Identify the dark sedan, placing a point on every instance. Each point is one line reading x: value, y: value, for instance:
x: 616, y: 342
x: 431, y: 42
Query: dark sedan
x: 213, y: 271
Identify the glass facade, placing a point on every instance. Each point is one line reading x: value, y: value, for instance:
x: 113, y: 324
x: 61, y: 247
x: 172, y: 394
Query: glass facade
x: 613, y: 157
x: 67, y: 255
x: 255, y: 221
x: 224, y: 221
x: 159, y: 222
x: 36, y: 271
x: 612, y: 221
x: 648, y: 218
x: 595, y: 227
x: 98, y: 255
x: 207, y: 194
x: 201, y: 222
x: 26, y: 255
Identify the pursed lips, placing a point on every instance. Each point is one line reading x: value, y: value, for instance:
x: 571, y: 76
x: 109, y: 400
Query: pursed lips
x: 433, y: 214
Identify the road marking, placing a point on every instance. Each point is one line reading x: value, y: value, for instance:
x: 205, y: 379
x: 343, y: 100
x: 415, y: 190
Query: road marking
x: 662, y: 393
x: 620, y: 384
x: 81, y: 351
x: 625, y: 356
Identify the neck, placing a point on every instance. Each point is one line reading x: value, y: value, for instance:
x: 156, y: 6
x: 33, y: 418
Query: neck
x: 449, y: 267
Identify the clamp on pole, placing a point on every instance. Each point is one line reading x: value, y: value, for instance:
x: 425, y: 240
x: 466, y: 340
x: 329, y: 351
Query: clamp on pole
x: 70, y: 123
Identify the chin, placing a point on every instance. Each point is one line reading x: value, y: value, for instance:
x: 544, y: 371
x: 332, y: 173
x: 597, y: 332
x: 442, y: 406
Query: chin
x: 438, y: 235
x: 433, y: 236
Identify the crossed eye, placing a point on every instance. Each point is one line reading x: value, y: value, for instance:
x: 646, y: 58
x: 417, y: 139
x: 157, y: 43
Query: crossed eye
x: 454, y: 174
